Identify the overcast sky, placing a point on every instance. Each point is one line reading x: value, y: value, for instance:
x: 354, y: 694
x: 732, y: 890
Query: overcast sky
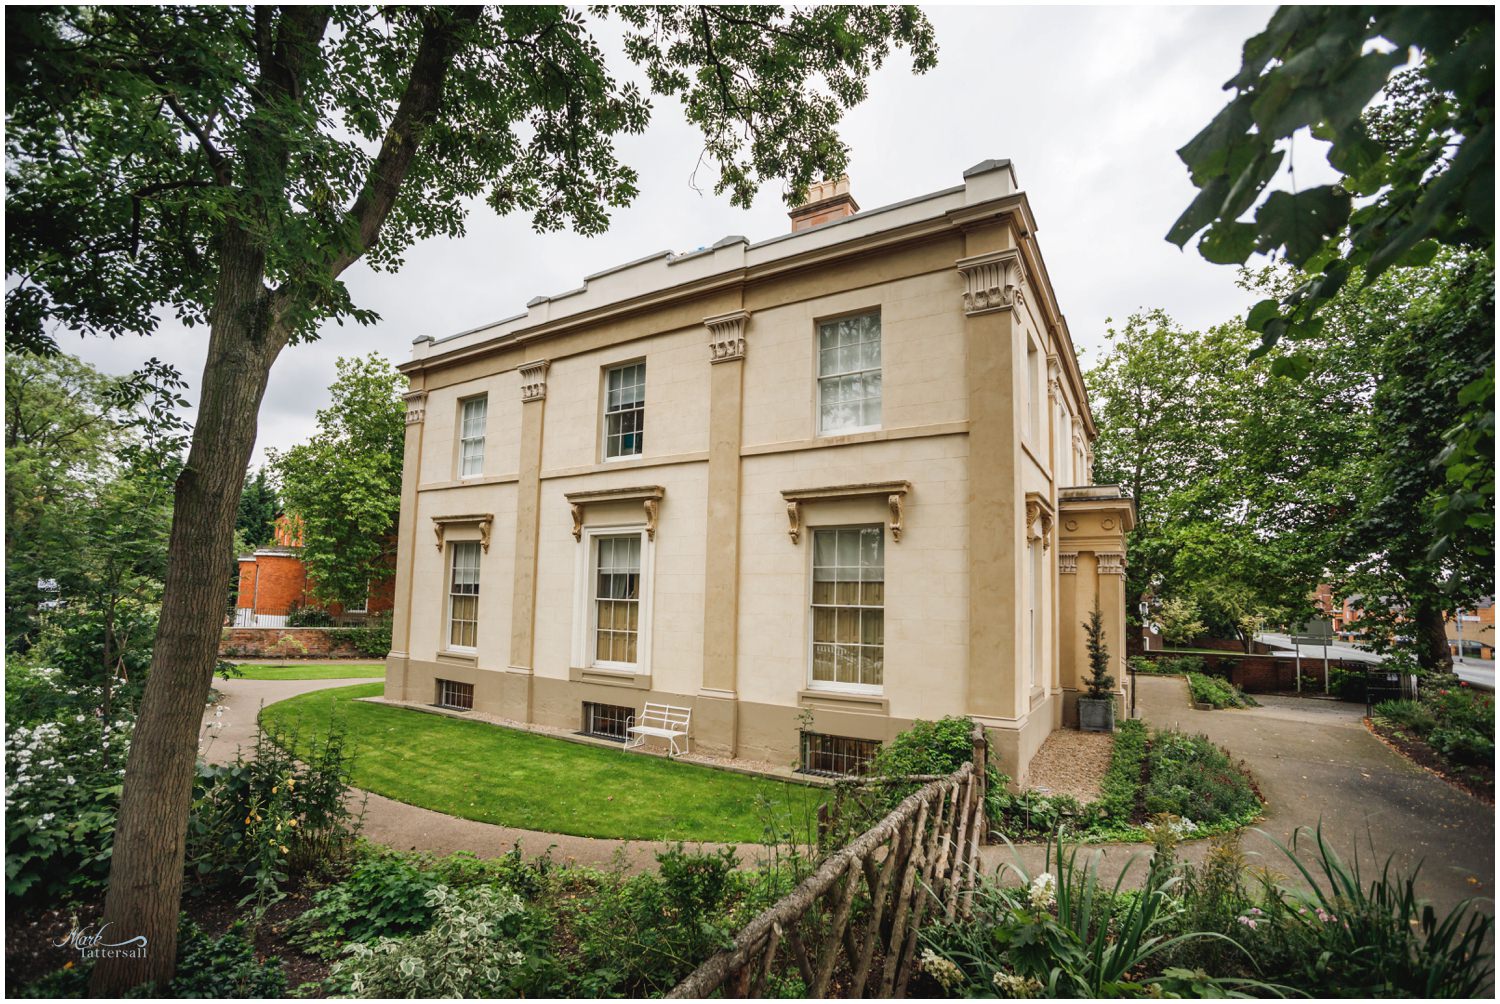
x: 1089, y: 103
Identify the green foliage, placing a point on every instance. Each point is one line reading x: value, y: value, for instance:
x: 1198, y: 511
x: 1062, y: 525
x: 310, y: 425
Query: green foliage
x: 62, y: 790
x: 641, y: 936
x: 173, y: 148
x: 385, y: 895
x: 1029, y: 815
x: 307, y: 615
x: 265, y: 818
x: 1062, y: 935
x: 1373, y: 938
x: 256, y: 520
x: 1099, y: 680
x: 1178, y: 617
x: 1428, y: 163
x: 1424, y: 362
x: 1420, y: 159
x: 1457, y: 722
x: 468, y: 951
x: 371, y: 639
x: 939, y: 747
x: 1191, y: 778
x: 1120, y: 788
x: 221, y: 967
x: 345, y: 483
x: 90, y: 462
x: 1218, y: 693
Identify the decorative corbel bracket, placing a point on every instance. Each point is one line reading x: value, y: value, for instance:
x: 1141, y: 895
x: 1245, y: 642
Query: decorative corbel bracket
x: 483, y: 520
x: 534, y: 380
x: 895, y: 500
x: 1039, y: 510
x: 416, y: 406
x: 992, y: 281
x: 649, y: 496
x: 726, y: 336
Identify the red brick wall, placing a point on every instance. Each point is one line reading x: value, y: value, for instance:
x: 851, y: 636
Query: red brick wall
x: 246, y: 596
x: 281, y: 585
x: 269, y: 643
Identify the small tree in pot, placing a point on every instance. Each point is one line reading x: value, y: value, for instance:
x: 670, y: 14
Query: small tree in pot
x: 1096, y: 711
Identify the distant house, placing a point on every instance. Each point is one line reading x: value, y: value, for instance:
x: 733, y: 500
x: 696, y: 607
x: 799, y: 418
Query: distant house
x: 1471, y: 632
x: 274, y: 585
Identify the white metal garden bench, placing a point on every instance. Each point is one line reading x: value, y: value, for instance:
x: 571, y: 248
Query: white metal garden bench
x: 663, y: 721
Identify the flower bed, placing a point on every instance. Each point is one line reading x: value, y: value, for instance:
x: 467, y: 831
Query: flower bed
x: 1169, y: 773
x: 1450, y: 730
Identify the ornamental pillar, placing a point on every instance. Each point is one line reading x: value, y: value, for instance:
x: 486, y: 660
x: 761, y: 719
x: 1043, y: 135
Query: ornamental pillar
x: 992, y: 287
x: 516, y: 687
x: 716, y: 724
x: 406, y: 541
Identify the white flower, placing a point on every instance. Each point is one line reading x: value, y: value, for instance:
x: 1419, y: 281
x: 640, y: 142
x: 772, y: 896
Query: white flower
x: 1012, y: 985
x: 70, y: 780
x: 948, y: 975
x: 1042, y: 892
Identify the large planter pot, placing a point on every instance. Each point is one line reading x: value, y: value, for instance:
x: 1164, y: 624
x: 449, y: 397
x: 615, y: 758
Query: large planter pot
x: 1096, y: 714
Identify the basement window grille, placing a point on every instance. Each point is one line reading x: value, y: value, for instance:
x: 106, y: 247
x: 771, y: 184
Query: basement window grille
x: 455, y: 695
x: 836, y: 756
x: 606, y: 721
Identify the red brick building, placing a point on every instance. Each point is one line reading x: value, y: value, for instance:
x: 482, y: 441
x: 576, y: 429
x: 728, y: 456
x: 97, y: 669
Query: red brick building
x: 273, y: 583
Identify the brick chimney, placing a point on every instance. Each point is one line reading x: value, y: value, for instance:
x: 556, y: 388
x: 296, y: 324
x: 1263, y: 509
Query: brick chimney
x: 826, y: 201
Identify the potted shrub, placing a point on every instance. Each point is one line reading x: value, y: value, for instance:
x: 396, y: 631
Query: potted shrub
x: 1096, y: 710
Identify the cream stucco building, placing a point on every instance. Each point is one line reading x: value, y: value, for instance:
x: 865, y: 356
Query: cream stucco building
x: 813, y: 488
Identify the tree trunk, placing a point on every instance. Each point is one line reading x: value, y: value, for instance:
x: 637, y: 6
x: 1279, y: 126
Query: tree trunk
x: 1430, y: 635
x: 145, y: 879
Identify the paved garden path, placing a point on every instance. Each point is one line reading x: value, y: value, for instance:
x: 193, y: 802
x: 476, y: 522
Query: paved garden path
x: 1314, y: 760
x: 409, y: 827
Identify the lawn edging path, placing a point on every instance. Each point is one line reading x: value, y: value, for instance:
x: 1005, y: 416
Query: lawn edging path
x: 403, y: 826
x: 1314, y: 760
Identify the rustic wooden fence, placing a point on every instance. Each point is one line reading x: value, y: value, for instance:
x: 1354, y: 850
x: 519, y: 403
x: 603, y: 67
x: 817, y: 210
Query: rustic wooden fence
x: 851, y: 926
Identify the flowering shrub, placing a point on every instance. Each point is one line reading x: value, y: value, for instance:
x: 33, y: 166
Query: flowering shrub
x: 257, y: 821
x: 62, y: 793
x: 1457, y: 722
x: 467, y: 952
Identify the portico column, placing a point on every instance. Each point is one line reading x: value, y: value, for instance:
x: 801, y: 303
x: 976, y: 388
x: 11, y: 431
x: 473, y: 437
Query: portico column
x: 1111, y: 569
x: 716, y: 723
x: 516, y: 696
x: 397, y: 661
x: 992, y: 283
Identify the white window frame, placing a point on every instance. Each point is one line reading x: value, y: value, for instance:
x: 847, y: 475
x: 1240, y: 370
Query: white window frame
x: 833, y: 685
x: 464, y: 441
x: 819, y: 376
x: 448, y: 645
x: 584, y: 611
x: 604, y: 412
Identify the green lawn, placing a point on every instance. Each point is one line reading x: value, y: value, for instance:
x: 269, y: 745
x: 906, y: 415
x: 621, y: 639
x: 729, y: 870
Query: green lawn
x: 315, y: 671
x: 499, y: 775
